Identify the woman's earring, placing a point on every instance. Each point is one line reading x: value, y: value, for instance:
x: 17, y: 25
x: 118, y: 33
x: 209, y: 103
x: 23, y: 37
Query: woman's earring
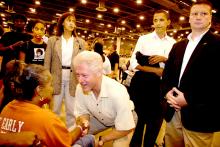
x: 41, y: 98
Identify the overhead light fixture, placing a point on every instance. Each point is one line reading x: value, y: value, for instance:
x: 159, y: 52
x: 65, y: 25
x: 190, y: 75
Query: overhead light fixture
x: 101, y: 6
x: 10, y: 9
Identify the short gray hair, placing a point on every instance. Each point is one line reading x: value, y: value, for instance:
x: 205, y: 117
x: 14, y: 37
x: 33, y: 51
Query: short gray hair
x: 90, y: 58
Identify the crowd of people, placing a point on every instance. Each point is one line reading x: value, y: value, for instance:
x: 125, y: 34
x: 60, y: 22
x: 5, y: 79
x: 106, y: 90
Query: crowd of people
x: 171, y: 86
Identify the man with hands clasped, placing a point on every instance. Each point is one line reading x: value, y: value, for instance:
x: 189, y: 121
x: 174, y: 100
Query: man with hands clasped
x: 188, y: 84
x: 102, y: 102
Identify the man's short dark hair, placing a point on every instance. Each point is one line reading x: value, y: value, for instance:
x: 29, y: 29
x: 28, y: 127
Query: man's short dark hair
x: 19, y: 16
x: 164, y: 12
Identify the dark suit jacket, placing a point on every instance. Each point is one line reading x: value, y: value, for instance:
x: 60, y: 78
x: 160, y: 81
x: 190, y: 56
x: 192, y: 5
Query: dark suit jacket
x: 199, y: 83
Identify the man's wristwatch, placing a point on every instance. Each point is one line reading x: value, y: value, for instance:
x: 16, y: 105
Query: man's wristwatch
x: 101, y: 143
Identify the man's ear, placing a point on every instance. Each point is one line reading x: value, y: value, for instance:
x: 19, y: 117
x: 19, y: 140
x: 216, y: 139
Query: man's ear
x: 100, y: 73
x: 169, y: 21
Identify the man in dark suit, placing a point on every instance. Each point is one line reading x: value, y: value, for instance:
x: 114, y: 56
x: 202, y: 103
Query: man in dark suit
x: 188, y: 84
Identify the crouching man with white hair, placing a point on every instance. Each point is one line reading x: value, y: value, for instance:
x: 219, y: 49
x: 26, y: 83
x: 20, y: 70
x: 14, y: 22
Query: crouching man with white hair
x: 102, y: 102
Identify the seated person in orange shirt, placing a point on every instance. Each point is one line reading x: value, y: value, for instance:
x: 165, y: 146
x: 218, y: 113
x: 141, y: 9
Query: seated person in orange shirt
x: 32, y: 90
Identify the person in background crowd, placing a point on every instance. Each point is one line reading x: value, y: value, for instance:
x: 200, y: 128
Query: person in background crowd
x: 11, y: 41
x: 148, y: 58
x: 188, y: 83
x: 1, y: 31
x: 98, y: 48
x: 29, y: 52
x: 32, y: 89
x: 102, y: 102
x: 60, y: 52
x: 114, y: 60
x: 52, y: 31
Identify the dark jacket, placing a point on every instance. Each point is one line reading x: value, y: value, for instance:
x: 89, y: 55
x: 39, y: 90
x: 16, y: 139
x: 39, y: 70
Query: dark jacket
x: 199, y: 83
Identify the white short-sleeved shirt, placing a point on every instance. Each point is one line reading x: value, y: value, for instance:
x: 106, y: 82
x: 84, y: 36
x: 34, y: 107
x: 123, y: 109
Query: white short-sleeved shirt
x: 106, y: 66
x: 112, y: 108
x: 151, y: 44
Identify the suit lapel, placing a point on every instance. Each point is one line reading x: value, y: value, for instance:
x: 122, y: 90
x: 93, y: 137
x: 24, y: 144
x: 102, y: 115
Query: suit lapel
x: 58, y: 48
x: 202, y: 43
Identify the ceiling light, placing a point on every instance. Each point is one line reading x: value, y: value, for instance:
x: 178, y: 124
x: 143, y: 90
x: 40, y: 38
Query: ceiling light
x: 139, y: 1
x: 109, y: 25
x: 33, y: 10
x: 71, y: 9
x: 141, y: 17
x: 116, y: 10
x: 83, y: 1
x: 58, y: 14
x: 87, y: 21
x: 99, y: 16
x: 214, y: 11
x: 2, y: 15
x: 101, y: 6
x: 138, y: 25
x: 123, y: 21
x: 37, y: 2
x: 181, y: 18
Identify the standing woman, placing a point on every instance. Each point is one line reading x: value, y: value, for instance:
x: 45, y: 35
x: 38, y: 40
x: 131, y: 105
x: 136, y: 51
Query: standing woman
x: 30, y: 50
x: 60, y: 52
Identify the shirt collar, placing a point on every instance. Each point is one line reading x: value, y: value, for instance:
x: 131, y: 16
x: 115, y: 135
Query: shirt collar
x: 69, y: 38
x: 103, y: 92
x: 157, y: 37
x: 189, y: 37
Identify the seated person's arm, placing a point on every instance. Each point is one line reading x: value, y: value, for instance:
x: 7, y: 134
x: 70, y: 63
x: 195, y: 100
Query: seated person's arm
x: 18, y: 139
x: 76, y: 133
x: 80, y: 128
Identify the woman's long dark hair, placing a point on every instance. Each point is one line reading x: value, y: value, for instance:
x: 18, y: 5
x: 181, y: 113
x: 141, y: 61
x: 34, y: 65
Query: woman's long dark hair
x: 60, y: 29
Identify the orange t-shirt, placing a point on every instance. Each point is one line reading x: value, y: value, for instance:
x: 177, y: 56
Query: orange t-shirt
x: 20, y: 116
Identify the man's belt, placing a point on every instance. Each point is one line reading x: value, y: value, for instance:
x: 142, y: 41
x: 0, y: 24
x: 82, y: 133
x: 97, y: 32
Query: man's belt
x: 65, y: 67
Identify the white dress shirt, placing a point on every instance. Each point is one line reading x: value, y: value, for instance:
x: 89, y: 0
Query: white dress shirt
x: 67, y: 51
x: 151, y: 44
x: 113, y: 107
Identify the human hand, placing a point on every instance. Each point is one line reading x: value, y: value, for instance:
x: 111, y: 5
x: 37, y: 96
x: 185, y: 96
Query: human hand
x: 16, y: 44
x: 85, y: 126
x: 176, y: 99
x: 98, y: 142
x: 171, y: 99
x: 156, y: 59
x: 180, y: 99
x: 25, y: 139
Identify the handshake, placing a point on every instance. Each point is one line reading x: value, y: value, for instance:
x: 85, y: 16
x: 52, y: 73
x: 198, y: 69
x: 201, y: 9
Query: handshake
x: 83, y: 125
